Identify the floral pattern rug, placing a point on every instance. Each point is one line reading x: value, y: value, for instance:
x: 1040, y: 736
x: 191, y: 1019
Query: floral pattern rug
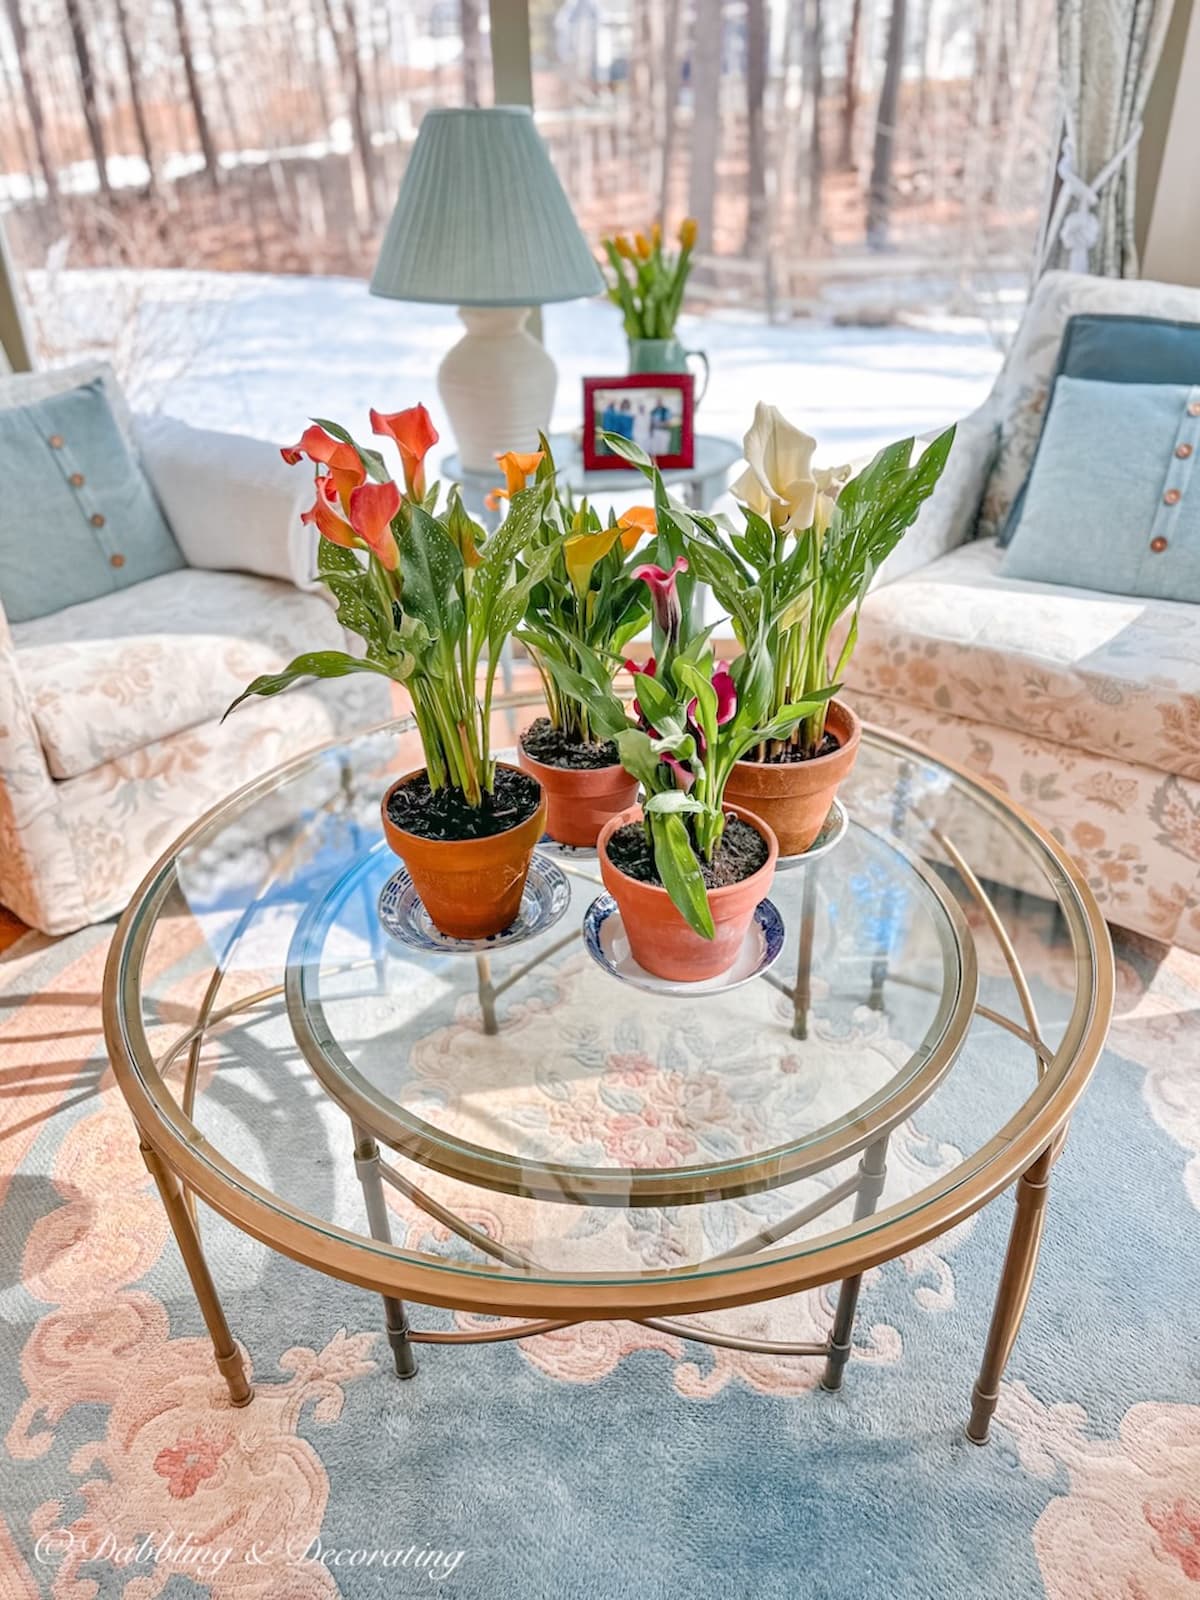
x: 605, y: 1461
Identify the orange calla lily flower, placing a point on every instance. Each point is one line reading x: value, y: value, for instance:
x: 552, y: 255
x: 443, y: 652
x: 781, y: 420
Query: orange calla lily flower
x: 517, y: 468
x: 415, y: 436
x: 635, y: 524
x: 324, y: 513
x: 372, y: 507
x: 516, y: 465
x: 345, y: 468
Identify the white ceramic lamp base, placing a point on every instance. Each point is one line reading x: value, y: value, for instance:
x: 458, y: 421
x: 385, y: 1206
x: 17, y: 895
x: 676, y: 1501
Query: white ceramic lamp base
x: 497, y: 385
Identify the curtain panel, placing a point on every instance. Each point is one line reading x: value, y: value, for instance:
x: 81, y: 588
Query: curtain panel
x: 1108, y: 51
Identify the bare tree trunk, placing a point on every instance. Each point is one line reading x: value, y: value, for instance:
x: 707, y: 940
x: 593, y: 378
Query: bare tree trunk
x: 33, y: 100
x: 346, y: 45
x: 706, y: 118
x: 670, y: 94
x: 203, y: 132
x: 879, y: 195
x: 224, y: 93
x: 756, y: 85
x: 468, y: 12
x: 134, y: 76
x: 850, y: 88
x: 814, y: 73
x: 87, y: 91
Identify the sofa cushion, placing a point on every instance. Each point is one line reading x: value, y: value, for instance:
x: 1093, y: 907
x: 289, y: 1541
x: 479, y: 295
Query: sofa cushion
x: 1022, y: 389
x: 110, y: 676
x: 1110, y: 674
x: 91, y: 523
x: 1113, y: 501
x: 1114, y: 349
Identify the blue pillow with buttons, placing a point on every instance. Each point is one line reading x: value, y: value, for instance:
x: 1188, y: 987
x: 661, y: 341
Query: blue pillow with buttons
x: 80, y: 518
x: 1113, y: 501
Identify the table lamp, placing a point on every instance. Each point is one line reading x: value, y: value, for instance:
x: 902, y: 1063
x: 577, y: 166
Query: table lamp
x: 481, y: 222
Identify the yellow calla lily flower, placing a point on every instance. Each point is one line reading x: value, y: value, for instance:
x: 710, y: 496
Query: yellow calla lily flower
x: 583, y: 551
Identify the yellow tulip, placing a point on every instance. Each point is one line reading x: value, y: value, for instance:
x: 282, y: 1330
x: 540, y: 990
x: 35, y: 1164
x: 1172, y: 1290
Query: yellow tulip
x: 623, y: 247
x: 642, y: 245
x: 656, y: 235
x: 687, y: 232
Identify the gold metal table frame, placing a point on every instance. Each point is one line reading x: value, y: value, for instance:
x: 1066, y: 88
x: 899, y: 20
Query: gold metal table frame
x: 185, y: 1165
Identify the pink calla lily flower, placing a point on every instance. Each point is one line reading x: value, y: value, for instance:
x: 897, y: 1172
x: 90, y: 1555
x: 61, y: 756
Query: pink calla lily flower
x: 667, y: 611
x: 683, y: 778
x: 726, y: 692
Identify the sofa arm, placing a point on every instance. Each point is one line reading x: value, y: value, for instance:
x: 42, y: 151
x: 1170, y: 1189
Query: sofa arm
x: 232, y: 502
x: 947, y: 518
x: 39, y: 876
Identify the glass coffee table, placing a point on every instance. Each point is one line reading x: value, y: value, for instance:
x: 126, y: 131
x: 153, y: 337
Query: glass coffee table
x: 523, y: 1140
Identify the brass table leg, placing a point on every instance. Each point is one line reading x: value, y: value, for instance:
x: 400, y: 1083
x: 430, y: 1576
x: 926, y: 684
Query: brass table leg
x: 1016, y: 1280
x: 872, y: 1175
x: 802, y: 994
x: 228, y: 1356
x: 366, y: 1162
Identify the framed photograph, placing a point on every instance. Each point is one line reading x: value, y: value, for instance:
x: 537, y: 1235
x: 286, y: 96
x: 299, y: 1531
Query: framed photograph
x: 654, y: 409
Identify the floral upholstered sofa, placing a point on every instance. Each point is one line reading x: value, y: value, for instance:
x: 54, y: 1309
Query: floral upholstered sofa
x: 110, y: 733
x: 1083, y: 706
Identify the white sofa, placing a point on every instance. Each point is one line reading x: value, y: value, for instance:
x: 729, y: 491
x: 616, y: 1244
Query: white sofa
x: 1084, y: 706
x: 110, y: 733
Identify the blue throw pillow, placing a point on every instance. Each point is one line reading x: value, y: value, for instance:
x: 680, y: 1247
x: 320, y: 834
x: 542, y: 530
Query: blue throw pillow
x: 1119, y: 349
x: 1113, y: 501
x: 79, y: 519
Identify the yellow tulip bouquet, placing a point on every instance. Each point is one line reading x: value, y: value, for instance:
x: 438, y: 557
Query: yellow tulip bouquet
x: 648, y: 281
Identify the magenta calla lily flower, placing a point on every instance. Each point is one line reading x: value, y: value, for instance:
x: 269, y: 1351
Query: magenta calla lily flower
x: 726, y: 692
x: 667, y: 611
x: 683, y: 778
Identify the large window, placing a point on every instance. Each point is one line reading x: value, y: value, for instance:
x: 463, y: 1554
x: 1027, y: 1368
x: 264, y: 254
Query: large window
x: 872, y: 169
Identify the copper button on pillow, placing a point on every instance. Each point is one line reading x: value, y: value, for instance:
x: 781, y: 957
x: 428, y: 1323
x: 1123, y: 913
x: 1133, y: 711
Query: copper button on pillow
x: 56, y: 441
x: 116, y: 561
x: 1171, y: 498
x: 1194, y: 409
x: 97, y: 519
x: 1158, y: 545
x: 77, y: 479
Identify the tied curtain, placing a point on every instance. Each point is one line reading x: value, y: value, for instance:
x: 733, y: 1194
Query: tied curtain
x: 1108, y: 51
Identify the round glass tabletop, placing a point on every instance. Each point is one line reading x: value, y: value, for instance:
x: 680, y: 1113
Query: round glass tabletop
x: 521, y: 1131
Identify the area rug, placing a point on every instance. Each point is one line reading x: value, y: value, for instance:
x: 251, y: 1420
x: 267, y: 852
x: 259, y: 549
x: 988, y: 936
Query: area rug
x: 608, y: 1461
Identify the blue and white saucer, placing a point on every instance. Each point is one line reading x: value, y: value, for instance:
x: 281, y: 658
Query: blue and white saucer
x: 833, y: 831
x: 607, y: 944
x: 547, y: 895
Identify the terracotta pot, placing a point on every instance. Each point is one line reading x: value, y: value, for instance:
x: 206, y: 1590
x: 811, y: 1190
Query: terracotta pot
x: 793, y: 797
x: 471, y: 888
x: 659, y: 938
x: 579, y: 801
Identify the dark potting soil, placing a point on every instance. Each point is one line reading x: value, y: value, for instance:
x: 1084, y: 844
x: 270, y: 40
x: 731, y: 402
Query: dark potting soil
x: 549, y: 745
x: 792, y: 752
x: 445, y: 814
x: 742, y: 851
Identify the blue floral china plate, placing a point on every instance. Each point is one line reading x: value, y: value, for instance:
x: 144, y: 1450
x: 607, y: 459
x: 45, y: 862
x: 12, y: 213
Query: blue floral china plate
x: 833, y: 831
x: 604, y: 936
x: 547, y: 895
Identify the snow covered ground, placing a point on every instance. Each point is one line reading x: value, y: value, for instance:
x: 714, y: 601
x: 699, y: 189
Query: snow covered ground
x: 258, y: 354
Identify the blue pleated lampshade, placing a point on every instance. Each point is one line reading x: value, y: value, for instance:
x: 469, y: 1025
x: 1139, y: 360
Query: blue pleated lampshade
x: 481, y: 218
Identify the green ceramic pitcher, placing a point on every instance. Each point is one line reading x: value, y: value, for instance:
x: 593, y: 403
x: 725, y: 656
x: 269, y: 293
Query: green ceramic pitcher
x: 667, y: 355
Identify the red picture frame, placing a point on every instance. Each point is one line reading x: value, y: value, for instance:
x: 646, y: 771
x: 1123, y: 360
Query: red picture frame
x: 631, y: 397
